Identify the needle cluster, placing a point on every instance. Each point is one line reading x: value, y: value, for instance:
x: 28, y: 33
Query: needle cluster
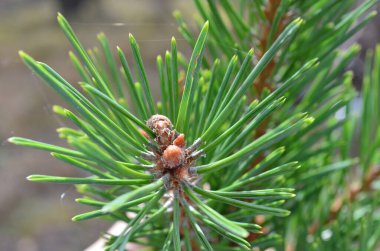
x: 215, y: 163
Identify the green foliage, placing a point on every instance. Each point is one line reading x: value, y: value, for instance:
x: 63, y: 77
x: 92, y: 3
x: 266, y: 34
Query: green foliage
x: 266, y: 120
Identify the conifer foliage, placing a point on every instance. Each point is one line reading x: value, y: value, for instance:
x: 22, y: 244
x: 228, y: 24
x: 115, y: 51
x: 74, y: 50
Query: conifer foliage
x: 243, y: 125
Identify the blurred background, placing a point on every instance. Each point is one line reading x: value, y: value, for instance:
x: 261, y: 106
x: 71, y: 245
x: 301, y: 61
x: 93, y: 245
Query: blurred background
x: 37, y: 216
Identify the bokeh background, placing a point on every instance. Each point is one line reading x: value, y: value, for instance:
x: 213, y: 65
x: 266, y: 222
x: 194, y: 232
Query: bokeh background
x: 37, y: 216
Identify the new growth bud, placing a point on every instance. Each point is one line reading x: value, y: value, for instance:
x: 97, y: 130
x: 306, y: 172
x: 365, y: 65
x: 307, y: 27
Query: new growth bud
x: 171, y: 155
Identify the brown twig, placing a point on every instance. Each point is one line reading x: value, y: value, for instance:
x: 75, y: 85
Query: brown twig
x: 270, y: 11
x: 350, y: 196
x: 262, y: 81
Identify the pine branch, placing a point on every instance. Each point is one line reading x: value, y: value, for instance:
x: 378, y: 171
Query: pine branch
x: 351, y: 195
x: 216, y: 158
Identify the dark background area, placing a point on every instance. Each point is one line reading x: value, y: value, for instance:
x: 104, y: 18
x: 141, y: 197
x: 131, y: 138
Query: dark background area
x: 37, y: 216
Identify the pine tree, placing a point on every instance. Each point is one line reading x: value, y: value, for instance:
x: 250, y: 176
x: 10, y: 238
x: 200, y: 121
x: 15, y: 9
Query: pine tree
x: 244, y: 149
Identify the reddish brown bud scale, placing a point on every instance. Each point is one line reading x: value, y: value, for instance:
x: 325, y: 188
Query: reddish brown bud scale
x: 162, y: 128
x: 182, y: 173
x: 152, y: 121
x: 171, y: 155
x: 180, y: 140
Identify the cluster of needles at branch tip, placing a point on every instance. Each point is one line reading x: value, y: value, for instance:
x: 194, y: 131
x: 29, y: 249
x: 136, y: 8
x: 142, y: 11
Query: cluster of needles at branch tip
x: 264, y: 113
x: 169, y: 154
